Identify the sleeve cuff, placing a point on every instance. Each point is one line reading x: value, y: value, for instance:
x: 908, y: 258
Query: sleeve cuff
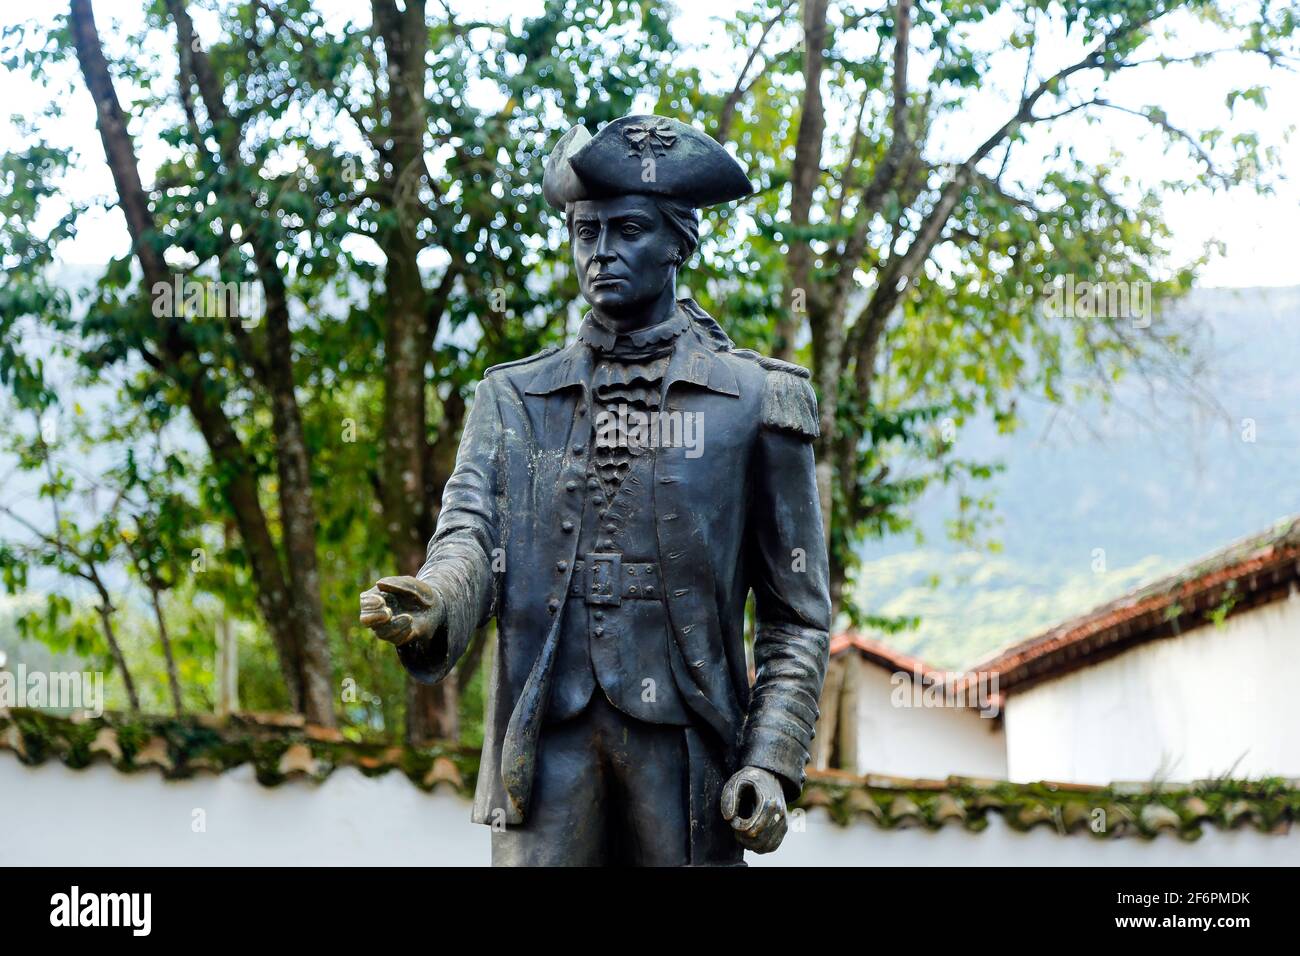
x: 778, y: 754
x: 466, y: 593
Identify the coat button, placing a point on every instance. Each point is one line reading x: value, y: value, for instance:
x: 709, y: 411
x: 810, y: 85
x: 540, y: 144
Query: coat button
x: 607, y: 545
x: 553, y: 605
x: 567, y: 527
x: 598, y: 500
x: 561, y: 566
x: 570, y: 486
x: 649, y: 590
x: 599, y: 615
x: 599, y: 632
x: 578, y: 449
x: 592, y: 484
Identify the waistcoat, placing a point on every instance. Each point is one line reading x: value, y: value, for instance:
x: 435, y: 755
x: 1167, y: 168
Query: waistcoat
x: 615, y: 634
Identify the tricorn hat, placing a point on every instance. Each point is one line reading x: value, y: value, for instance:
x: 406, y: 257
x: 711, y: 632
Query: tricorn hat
x: 654, y: 155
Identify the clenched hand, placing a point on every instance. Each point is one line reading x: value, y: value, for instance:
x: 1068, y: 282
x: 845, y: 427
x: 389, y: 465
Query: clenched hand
x: 752, y: 801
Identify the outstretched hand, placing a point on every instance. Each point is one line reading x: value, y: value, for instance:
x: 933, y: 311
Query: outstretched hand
x: 401, y: 609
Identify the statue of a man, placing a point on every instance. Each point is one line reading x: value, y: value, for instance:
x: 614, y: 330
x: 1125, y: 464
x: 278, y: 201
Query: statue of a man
x: 614, y: 504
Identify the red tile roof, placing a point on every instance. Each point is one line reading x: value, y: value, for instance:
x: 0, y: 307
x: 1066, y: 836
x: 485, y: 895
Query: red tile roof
x: 1247, y: 574
x: 880, y: 653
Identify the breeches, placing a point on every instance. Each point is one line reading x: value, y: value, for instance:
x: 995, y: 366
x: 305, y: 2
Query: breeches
x: 608, y: 790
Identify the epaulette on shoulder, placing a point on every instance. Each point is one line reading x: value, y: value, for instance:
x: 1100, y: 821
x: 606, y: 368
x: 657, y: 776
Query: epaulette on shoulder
x: 773, y: 365
x: 789, y: 402
x: 549, y: 350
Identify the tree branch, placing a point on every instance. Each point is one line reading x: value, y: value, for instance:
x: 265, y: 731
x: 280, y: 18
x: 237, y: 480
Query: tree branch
x: 729, y: 105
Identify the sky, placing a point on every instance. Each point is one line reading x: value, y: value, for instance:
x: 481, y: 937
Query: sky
x: 1257, y: 232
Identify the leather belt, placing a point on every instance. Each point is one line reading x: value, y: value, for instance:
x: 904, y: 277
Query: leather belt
x: 604, y: 578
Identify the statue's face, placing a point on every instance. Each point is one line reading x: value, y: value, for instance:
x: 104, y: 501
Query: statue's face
x: 624, y: 251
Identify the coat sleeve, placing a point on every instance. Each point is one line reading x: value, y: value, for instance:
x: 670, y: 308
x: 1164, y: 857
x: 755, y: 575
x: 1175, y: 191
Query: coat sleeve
x: 458, y: 565
x: 790, y: 584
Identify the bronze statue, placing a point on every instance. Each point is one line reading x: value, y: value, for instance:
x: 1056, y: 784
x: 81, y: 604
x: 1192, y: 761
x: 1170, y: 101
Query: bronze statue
x: 613, y: 505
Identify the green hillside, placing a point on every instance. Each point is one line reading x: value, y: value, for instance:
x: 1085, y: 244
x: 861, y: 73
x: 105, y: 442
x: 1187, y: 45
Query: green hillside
x: 1147, y: 484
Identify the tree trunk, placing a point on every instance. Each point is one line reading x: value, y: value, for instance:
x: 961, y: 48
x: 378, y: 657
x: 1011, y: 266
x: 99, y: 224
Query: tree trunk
x: 293, y: 457
x: 432, y: 711
x: 804, y: 174
x: 173, y: 681
x: 106, y: 619
x: 181, y: 361
x: 298, y: 518
x: 227, y: 668
x: 105, y: 610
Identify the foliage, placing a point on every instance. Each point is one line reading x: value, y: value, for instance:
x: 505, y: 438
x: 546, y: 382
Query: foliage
x: 375, y: 187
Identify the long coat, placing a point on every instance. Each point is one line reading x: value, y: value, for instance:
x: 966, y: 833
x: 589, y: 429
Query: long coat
x: 740, y: 517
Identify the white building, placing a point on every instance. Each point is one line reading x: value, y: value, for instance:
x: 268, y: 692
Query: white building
x: 876, y: 719
x: 1189, y: 678
x: 1192, y: 677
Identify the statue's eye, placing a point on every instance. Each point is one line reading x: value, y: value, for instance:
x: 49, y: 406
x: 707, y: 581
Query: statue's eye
x: 586, y: 232
x: 632, y: 231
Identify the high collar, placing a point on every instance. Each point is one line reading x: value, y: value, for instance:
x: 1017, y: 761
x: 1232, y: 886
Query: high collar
x: 693, y: 360
x: 603, y: 339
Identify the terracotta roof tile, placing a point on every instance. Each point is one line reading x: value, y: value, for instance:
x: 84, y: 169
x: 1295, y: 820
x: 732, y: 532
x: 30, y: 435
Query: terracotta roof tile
x: 181, y: 747
x: 879, y: 653
x: 1249, y: 573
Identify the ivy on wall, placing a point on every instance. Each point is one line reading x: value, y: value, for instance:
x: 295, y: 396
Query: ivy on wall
x: 280, y: 747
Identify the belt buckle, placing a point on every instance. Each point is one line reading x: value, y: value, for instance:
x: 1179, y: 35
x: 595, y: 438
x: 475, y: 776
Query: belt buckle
x: 604, y: 578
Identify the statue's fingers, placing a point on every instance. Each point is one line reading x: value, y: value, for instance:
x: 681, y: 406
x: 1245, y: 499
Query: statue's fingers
x: 780, y: 824
x: 771, y: 837
x: 395, y: 630
x: 405, y: 586
x: 729, y: 799
x: 767, y: 814
x: 374, y: 609
x: 371, y: 618
x: 755, y: 826
x: 755, y: 844
x: 765, y: 832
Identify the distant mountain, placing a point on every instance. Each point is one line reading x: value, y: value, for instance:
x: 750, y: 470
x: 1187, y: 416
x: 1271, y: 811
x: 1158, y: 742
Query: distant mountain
x: 1154, y: 481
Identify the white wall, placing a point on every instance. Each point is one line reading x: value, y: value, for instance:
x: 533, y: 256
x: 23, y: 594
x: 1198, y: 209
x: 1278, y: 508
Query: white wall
x: 928, y: 742
x: 50, y: 815
x: 1185, y: 708
x: 98, y: 816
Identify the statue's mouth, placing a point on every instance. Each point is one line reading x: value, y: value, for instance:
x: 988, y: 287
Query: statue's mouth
x: 604, y: 279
